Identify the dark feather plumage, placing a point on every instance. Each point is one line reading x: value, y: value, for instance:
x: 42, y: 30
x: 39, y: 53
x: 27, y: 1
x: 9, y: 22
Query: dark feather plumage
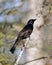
x: 23, y: 34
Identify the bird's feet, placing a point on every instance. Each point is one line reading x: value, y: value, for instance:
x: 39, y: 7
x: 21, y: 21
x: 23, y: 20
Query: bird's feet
x: 23, y: 46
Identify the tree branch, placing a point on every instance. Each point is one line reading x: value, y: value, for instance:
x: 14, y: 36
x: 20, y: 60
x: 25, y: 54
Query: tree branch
x: 19, y: 57
x: 35, y: 60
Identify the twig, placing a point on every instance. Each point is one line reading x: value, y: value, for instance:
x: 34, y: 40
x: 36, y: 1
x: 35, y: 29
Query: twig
x: 18, y: 59
x: 34, y: 60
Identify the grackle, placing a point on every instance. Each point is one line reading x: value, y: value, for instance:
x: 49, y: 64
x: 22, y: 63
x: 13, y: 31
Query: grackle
x: 23, y: 34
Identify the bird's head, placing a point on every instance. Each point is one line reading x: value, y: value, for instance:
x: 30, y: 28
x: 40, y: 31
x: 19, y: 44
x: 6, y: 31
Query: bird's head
x: 31, y: 21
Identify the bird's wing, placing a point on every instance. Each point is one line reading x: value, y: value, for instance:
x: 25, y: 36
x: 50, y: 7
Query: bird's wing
x: 24, y: 34
x: 27, y: 33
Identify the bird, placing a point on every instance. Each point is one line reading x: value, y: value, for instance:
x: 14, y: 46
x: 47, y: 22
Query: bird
x: 23, y: 34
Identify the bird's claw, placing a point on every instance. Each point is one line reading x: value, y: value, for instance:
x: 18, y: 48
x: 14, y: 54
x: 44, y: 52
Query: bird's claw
x: 22, y: 46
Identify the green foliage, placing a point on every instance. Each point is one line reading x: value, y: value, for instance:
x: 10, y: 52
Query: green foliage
x: 6, y: 58
x: 1, y: 35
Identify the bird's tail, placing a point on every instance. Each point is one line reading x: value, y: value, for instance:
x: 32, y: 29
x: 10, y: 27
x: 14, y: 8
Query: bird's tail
x: 14, y: 46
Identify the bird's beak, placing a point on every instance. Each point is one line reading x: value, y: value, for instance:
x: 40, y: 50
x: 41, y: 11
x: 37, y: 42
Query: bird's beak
x: 34, y: 19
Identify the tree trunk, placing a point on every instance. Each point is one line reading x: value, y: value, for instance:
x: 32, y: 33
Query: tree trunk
x: 38, y: 36
x: 34, y: 47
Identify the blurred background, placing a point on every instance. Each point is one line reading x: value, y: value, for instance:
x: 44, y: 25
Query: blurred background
x: 13, y: 17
